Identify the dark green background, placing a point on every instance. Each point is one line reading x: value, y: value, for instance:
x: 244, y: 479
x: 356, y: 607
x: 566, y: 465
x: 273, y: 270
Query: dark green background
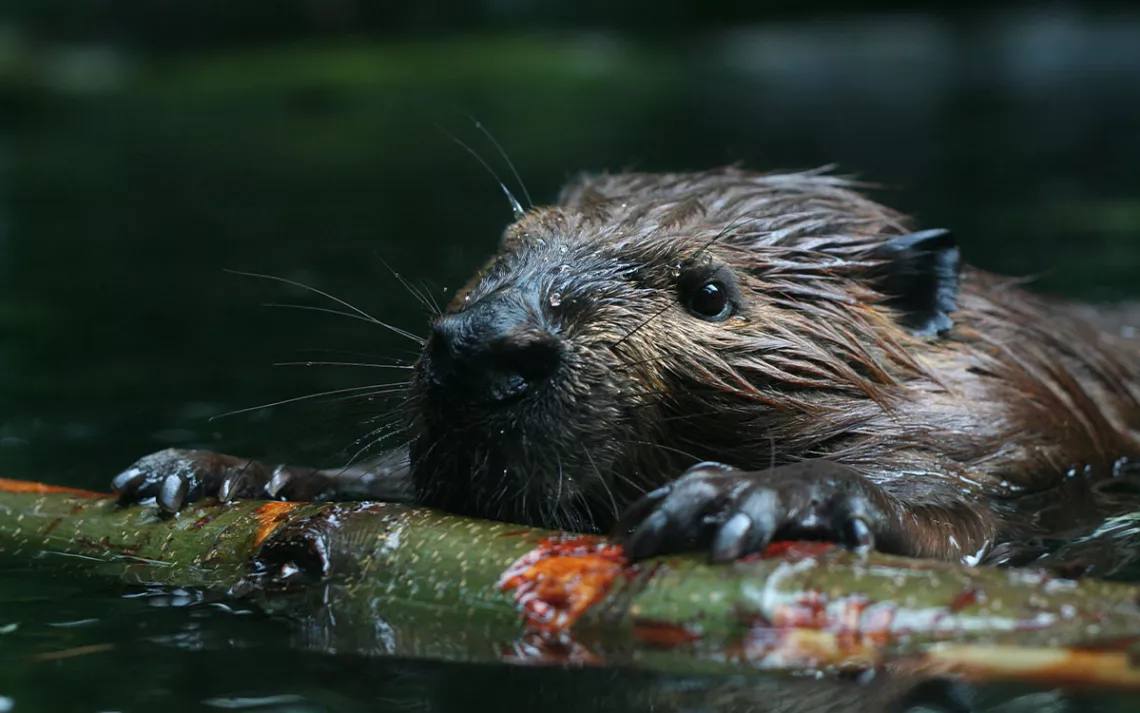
x: 147, y: 146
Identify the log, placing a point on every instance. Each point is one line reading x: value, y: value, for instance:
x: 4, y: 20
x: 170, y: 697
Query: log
x: 388, y: 579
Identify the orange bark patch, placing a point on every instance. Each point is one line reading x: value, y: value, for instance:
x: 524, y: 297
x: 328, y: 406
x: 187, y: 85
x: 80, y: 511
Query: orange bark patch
x: 77, y: 651
x: 966, y: 598
x: 852, y: 622
x: 27, y: 486
x: 792, y: 550
x: 806, y: 649
x: 663, y: 634
x: 536, y: 648
x: 1054, y: 667
x: 269, y: 517
x: 560, y: 579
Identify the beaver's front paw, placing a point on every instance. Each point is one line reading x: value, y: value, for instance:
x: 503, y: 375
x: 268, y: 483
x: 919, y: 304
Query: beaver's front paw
x: 735, y: 513
x: 176, y: 477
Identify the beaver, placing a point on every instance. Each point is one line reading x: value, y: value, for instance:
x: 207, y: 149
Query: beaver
x: 712, y: 360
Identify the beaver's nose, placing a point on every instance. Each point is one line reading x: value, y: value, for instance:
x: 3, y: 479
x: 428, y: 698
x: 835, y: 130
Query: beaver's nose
x: 495, y: 350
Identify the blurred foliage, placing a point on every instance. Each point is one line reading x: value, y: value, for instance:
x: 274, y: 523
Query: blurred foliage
x: 180, y: 25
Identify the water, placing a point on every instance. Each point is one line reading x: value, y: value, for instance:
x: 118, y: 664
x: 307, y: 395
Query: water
x: 131, y: 179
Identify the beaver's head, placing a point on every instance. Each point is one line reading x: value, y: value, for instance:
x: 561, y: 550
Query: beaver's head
x: 652, y: 321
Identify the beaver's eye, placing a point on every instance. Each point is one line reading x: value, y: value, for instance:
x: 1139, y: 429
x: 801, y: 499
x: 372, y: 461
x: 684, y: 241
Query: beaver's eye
x: 710, y: 301
x: 708, y: 291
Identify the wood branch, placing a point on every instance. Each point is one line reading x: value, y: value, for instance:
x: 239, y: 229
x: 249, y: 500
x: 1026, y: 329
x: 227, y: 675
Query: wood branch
x: 378, y: 578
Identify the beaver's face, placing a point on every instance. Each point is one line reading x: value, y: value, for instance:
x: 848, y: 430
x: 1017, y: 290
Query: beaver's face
x: 549, y: 391
x: 607, y: 347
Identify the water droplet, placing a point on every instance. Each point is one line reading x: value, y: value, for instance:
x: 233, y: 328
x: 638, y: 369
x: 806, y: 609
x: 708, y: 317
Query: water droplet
x: 1120, y: 467
x: 555, y: 299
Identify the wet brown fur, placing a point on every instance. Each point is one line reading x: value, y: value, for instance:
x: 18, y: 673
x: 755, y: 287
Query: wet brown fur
x: 965, y: 428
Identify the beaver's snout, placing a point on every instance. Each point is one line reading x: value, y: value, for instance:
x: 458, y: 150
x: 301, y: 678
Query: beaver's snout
x: 492, y: 352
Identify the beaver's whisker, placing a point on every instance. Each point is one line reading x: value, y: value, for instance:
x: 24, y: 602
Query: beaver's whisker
x: 387, y: 428
x: 342, y: 419
x: 428, y: 452
x: 671, y: 449
x: 633, y: 331
x: 397, y: 413
x: 603, y: 480
x: 566, y: 515
x: 626, y: 364
x: 373, y: 441
x: 636, y: 484
x: 436, y: 309
x: 350, y: 353
x: 503, y: 154
x: 561, y: 478
x: 360, y: 314
x: 338, y: 417
x: 586, y: 521
x: 360, y: 391
x: 314, y: 308
x: 484, y: 496
x: 415, y: 292
x: 501, y: 502
x: 350, y: 315
x: 369, y: 441
x: 548, y: 508
x: 516, y: 208
x: 343, y: 363
x: 385, y: 390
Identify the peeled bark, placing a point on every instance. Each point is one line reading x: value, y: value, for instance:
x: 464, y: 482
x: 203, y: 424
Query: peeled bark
x: 390, y: 579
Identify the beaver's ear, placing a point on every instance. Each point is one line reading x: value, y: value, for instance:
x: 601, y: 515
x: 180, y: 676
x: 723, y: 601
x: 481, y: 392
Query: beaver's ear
x: 920, y: 279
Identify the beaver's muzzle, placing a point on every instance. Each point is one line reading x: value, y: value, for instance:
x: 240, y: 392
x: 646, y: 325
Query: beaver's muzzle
x: 491, y: 353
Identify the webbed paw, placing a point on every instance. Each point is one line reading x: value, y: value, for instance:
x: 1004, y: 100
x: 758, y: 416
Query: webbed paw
x: 176, y: 477
x: 734, y: 513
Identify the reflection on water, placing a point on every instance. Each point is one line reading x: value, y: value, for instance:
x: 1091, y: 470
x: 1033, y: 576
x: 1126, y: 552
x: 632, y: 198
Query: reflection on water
x: 129, y: 180
x: 80, y: 648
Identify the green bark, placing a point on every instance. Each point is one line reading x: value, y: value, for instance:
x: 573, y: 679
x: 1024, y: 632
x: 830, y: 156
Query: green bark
x: 390, y: 579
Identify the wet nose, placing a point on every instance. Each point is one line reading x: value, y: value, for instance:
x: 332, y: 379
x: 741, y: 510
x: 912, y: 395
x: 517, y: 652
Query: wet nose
x: 495, y: 350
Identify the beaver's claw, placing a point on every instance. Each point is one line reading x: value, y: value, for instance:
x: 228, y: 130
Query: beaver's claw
x: 175, y: 477
x: 734, y: 513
